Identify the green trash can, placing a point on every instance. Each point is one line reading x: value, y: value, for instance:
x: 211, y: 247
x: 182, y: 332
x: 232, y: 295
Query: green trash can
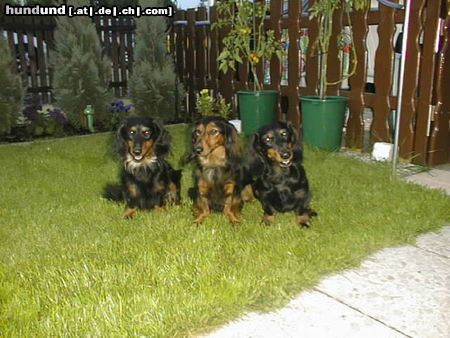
x: 323, y: 121
x: 256, y: 109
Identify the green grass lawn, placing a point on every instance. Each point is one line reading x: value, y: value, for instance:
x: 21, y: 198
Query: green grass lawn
x: 70, y: 266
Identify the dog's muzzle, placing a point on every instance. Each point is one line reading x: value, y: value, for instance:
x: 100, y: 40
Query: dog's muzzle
x: 286, y: 159
x: 198, y: 150
x: 137, y: 152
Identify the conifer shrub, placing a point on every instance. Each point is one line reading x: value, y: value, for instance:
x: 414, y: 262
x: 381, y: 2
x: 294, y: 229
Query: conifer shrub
x: 153, y: 85
x: 11, y: 90
x: 81, y: 72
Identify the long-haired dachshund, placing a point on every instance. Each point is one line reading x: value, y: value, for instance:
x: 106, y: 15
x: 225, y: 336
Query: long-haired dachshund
x: 279, y: 179
x: 219, y: 176
x: 148, y: 181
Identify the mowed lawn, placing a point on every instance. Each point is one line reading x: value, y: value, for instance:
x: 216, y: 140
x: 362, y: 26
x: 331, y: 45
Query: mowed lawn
x: 71, y: 266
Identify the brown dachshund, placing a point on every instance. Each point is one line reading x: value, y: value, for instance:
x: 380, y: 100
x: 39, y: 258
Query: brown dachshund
x: 219, y: 176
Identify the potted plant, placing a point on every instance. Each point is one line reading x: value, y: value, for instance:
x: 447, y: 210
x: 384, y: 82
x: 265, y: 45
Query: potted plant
x: 247, y: 41
x: 323, y: 116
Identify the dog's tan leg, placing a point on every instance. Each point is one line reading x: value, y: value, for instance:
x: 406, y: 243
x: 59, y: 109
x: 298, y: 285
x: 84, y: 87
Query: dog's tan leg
x: 231, y: 201
x: 247, y: 194
x: 201, y: 203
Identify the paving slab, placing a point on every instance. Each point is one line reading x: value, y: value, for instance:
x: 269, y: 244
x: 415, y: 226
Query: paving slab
x: 407, y: 288
x: 311, y: 314
x: 436, y: 242
x: 435, y: 179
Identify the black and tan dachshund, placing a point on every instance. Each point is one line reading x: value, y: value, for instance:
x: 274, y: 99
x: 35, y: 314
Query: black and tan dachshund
x: 148, y: 181
x: 219, y: 175
x: 279, y: 179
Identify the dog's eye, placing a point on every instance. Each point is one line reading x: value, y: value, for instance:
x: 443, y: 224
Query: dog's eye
x: 197, y: 132
x: 213, y: 132
x: 146, y: 132
x: 131, y: 132
x: 283, y: 133
x: 268, y: 139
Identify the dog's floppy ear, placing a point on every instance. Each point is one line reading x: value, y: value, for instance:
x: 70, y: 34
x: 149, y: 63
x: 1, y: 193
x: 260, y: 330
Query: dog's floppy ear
x: 297, y: 150
x: 190, y: 155
x: 162, y: 141
x: 232, y: 142
x: 293, y: 132
x: 121, y: 138
x: 256, y: 158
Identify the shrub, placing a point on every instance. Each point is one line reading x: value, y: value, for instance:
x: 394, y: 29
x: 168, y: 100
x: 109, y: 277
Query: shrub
x: 81, y: 72
x: 153, y: 84
x: 11, y: 91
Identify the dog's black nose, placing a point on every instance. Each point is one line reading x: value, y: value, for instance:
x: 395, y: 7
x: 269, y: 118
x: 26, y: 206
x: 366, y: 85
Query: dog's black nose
x: 198, y: 150
x: 285, y: 155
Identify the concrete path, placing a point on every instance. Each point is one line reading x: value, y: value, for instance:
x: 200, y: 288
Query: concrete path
x: 396, y: 292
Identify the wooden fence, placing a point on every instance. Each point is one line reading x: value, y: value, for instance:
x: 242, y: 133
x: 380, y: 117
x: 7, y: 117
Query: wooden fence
x: 31, y: 42
x: 424, y: 129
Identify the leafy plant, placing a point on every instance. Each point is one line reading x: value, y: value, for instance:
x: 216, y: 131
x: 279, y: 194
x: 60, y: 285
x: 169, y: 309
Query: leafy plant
x: 207, y: 106
x: 246, y: 41
x: 324, y: 11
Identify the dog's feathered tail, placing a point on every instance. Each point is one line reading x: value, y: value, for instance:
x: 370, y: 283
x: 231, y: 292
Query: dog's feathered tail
x: 113, y: 192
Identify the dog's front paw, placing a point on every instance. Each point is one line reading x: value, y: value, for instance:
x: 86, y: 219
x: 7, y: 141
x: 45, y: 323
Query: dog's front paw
x: 304, y: 219
x: 268, y: 219
x: 233, y: 218
x: 130, y: 213
x: 200, y: 218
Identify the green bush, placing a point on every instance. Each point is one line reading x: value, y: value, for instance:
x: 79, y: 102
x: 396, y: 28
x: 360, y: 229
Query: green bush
x: 81, y: 72
x: 11, y: 91
x: 153, y: 88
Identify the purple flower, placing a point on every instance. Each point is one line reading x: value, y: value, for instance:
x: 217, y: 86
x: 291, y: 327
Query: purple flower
x: 118, y: 107
x: 58, y: 116
x: 32, y: 107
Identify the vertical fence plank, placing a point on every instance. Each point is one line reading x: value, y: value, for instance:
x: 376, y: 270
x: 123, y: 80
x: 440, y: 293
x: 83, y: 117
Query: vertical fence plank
x: 42, y: 66
x: 312, y: 62
x: 384, y: 58
x: 274, y: 23
x: 200, y: 48
x: 213, y: 52
x: 410, y: 83
x: 190, y: 61
x: 226, y: 81
x: 21, y: 33
x: 180, y: 42
x: 32, y: 68
x: 440, y: 137
x: 114, y: 56
x: 334, y: 63
x: 426, y: 82
x: 355, y: 124
x: 292, y: 89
